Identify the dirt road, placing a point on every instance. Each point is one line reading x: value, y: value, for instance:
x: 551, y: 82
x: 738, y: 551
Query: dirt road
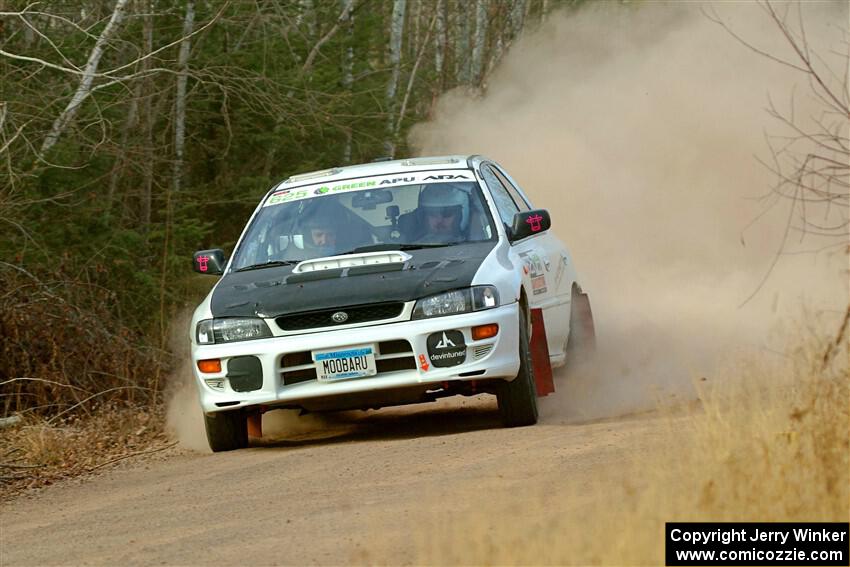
x: 362, y: 489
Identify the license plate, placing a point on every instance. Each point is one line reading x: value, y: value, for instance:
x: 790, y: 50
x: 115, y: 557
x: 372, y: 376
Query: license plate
x: 351, y: 362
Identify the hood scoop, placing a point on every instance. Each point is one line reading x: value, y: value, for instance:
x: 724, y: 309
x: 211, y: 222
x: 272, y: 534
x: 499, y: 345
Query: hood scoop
x: 352, y: 261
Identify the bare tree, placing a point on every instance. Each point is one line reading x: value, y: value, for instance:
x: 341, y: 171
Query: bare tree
x: 344, y: 16
x: 180, y: 99
x: 811, y: 158
x: 517, y: 16
x: 440, y: 42
x: 461, y: 43
x: 348, y: 76
x: 396, y: 36
x: 307, y: 17
x: 412, y: 79
x: 480, y: 43
x: 87, y: 77
x: 147, y: 128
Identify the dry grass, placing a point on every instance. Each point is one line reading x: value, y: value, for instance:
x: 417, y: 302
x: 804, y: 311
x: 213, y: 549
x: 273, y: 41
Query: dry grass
x: 770, y: 444
x: 63, y: 350
x: 38, y: 452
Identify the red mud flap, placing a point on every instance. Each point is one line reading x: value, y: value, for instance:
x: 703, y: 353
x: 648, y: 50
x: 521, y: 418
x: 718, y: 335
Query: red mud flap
x: 540, y: 355
x: 255, y: 425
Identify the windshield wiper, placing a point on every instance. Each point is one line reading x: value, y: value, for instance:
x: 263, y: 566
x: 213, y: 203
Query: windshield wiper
x: 268, y: 264
x: 391, y: 246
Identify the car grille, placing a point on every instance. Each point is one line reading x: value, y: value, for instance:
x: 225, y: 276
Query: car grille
x: 391, y: 356
x: 356, y: 314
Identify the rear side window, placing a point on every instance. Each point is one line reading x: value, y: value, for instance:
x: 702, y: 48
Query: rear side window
x: 512, y: 190
x: 504, y: 202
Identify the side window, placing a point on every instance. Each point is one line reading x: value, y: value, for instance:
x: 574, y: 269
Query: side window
x: 517, y: 197
x: 504, y: 203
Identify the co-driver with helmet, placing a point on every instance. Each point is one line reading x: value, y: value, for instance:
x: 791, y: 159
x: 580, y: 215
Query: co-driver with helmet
x: 443, y: 214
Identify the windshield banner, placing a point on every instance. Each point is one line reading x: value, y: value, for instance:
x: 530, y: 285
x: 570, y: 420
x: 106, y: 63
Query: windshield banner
x: 364, y: 183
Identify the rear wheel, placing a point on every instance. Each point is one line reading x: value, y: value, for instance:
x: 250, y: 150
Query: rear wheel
x: 518, y: 398
x: 227, y: 430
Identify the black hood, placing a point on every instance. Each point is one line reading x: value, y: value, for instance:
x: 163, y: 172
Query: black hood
x: 270, y: 292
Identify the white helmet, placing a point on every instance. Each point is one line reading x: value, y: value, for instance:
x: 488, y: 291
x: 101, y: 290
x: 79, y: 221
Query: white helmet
x: 442, y: 195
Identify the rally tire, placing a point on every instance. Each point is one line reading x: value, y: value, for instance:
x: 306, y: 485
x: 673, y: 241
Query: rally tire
x: 518, y: 398
x: 227, y: 430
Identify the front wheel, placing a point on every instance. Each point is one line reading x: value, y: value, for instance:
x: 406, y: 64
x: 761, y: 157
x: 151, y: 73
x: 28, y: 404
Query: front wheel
x: 518, y: 398
x: 227, y: 430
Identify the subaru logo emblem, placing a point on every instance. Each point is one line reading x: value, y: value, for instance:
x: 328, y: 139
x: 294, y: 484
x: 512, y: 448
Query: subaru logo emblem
x: 340, y: 317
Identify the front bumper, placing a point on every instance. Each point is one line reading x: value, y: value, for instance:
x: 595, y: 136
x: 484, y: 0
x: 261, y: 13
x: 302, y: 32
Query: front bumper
x: 485, y: 359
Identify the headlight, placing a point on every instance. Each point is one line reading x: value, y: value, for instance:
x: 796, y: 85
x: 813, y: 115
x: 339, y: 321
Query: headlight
x: 212, y: 331
x: 457, y: 301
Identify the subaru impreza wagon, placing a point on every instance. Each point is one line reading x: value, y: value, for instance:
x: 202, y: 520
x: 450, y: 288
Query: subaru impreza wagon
x: 384, y: 284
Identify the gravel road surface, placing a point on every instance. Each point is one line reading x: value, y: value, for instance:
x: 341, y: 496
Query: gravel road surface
x: 365, y: 487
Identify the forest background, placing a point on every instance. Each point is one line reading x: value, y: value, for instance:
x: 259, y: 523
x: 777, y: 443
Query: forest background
x: 133, y: 132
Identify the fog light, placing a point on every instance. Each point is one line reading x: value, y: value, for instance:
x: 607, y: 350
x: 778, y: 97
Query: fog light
x: 485, y: 331
x: 210, y: 366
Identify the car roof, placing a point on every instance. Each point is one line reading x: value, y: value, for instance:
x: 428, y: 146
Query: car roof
x: 374, y: 168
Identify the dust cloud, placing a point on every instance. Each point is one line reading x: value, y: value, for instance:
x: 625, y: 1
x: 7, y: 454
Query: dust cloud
x: 185, y: 421
x: 639, y: 128
x: 184, y: 418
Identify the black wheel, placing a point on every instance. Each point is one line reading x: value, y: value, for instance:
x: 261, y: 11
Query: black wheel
x: 518, y: 398
x: 582, y: 340
x: 227, y: 430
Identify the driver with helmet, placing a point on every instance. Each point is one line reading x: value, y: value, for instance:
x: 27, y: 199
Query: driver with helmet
x: 321, y: 234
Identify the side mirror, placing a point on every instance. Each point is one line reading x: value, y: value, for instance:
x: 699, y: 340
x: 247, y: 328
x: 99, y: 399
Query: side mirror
x: 529, y: 223
x: 210, y: 262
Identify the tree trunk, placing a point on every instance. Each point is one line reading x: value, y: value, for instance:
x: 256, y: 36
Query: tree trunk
x: 307, y: 17
x: 345, y: 15
x: 480, y: 41
x: 180, y: 99
x: 462, y: 32
x: 498, y: 52
x: 348, y: 77
x: 517, y: 17
x: 412, y: 78
x: 440, y: 42
x: 416, y: 16
x: 147, y: 128
x: 88, y: 74
x: 396, y: 36
x: 121, y: 158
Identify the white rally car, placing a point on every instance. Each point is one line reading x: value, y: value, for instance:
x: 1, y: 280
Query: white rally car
x: 384, y: 284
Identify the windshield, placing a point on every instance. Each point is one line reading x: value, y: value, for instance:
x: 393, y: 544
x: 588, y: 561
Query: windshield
x: 359, y: 215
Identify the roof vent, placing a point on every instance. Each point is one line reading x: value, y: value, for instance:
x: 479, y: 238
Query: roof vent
x: 429, y: 161
x: 313, y: 175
